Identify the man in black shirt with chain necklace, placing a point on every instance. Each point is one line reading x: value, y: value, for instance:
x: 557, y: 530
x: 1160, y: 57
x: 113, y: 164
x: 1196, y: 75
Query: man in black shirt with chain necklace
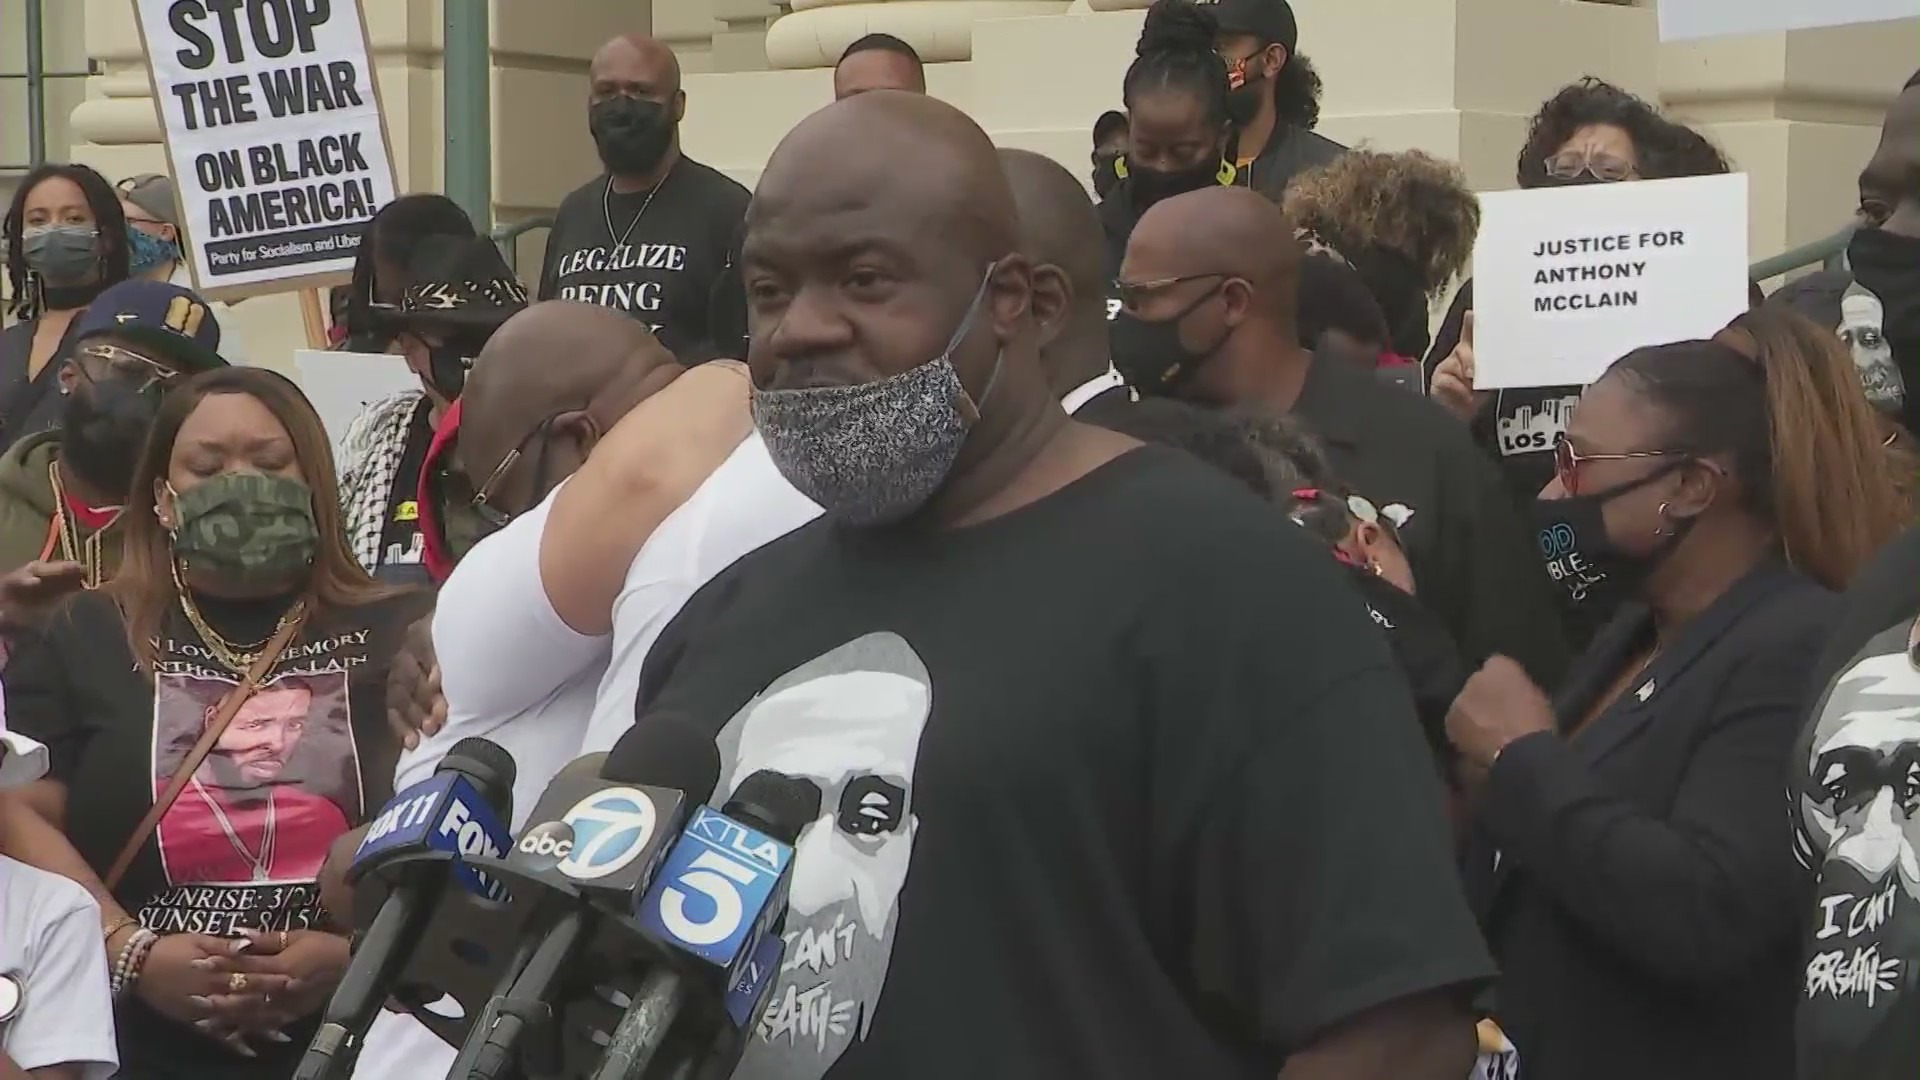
x: 651, y: 236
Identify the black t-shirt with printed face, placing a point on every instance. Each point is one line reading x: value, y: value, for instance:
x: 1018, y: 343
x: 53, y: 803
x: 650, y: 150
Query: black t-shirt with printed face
x: 304, y: 760
x: 656, y: 256
x: 1150, y: 809
x: 1857, y: 818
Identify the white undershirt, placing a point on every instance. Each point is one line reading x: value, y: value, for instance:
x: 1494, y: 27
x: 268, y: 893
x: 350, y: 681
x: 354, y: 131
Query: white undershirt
x: 513, y: 672
x: 50, y: 942
x: 1092, y: 388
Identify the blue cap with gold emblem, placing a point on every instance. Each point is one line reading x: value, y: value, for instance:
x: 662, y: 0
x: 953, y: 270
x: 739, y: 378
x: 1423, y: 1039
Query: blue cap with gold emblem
x: 172, y: 322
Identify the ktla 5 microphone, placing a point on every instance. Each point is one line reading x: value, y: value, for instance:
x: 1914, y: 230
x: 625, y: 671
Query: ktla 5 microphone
x: 459, y: 811
x: 714, y: 906
x: 604, y: 847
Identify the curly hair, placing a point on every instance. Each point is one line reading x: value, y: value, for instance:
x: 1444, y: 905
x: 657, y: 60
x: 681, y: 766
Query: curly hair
x: 1176, y: 51
x: 1410, y: 203
x: 1666, y: 149
x: 1296, y: 93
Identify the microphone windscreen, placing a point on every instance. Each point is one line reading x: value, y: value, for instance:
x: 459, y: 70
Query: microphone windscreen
x: 776, y: 804
x: 666, y: 750
x: 491, y: 769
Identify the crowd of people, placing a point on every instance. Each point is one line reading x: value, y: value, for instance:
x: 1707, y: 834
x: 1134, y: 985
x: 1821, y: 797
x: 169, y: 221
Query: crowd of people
x: 1200, y: 675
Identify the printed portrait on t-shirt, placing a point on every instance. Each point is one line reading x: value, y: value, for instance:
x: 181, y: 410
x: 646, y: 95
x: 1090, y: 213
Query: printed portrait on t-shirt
x: 851, y: 722
x: 1859, y: 811
x: 280, y: 783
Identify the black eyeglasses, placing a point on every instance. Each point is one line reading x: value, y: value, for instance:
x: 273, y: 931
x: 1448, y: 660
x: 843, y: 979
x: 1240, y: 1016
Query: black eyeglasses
x: 481, y: 503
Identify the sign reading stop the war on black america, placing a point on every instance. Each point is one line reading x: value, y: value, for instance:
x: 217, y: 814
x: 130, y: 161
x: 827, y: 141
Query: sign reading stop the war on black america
x: 274, y: 135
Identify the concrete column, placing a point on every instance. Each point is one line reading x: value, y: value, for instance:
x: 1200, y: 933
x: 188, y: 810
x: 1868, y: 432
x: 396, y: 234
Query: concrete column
x: 818, y: 31
x: 1798, y: 111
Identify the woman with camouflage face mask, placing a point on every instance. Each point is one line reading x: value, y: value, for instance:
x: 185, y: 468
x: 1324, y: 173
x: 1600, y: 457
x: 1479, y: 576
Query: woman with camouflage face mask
x: 217, y: 720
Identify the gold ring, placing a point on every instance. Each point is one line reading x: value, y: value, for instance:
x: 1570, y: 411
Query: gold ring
x: 283, y: 941
x: 236, y: 983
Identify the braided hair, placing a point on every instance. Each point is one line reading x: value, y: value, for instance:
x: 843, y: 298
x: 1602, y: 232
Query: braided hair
x: 1176, y: 52
x: 109, y: 220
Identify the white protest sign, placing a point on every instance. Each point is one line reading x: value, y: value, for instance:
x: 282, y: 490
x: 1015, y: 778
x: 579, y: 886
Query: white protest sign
x: 342, y: 384
x: 272, y: 124
x: 1567, y: 280
x: 1686, y: 20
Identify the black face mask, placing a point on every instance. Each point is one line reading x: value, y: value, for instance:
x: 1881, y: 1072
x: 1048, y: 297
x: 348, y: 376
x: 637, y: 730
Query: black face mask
x: 447, y: 367
x: 1243, y: 101
x: 1593, y: 574
x: 103, y: 429
x: 1104, y: 175
x: 1149, y: 186
x: 632, y: 134
x: 69, y: 297
x: 1888, y: 265
x: 1150, y: 356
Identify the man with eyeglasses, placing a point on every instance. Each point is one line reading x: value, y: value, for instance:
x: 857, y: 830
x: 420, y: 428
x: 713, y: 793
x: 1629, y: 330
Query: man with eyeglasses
x: 61, y: 491
x: 1209, y: 314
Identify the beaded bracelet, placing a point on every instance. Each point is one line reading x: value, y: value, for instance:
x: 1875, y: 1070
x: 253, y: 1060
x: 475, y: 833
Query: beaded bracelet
x: 133, y: 957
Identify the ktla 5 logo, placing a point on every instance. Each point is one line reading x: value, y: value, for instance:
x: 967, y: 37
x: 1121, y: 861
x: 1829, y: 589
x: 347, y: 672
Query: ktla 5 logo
x: 1558, y: 540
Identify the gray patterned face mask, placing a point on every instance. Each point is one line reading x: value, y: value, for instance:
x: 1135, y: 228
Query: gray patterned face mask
x: 873, y: 453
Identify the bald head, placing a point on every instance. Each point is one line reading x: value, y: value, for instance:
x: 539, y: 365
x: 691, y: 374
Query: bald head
x: 634, y: 64
x: 906, y: 159
x: 557, y: 363
x: 1060, y: 228
x: 882, y: 236
x: 1228, y: 231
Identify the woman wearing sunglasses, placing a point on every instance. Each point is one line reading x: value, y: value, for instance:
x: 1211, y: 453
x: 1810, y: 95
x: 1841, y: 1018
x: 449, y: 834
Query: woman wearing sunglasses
x: 1630, y: 858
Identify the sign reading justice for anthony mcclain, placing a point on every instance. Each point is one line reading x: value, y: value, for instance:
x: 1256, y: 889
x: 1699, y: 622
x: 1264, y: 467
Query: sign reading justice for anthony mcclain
x: 1567, y: 280
x: 274, y: 136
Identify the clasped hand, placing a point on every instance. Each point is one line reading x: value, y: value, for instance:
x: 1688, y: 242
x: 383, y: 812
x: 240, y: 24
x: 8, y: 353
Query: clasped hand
x: 249, y: 988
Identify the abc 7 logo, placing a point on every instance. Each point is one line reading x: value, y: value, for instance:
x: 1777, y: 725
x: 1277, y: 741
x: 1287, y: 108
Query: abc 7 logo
x: 554, y: 840
x: 1557, y: 540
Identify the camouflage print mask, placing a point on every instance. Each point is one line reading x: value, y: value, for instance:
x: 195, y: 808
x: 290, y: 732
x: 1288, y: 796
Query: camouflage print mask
x: 246, y: 527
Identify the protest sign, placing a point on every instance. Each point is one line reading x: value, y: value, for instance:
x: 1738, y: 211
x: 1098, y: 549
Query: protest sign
x: 342, y: 384
x: 271, y: 116
x: 1567, y: 280
x: 1686, y: 20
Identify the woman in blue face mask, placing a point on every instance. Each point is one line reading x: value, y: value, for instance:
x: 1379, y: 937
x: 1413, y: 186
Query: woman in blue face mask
x: 153, y: 228
x: 66, y: 242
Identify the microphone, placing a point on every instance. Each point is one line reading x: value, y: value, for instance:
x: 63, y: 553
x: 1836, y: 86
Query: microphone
x: 604, y: 846
x: 715, y: 906
x: 459, y: 811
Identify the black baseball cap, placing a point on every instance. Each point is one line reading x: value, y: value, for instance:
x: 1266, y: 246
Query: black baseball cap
x: 170, y: 320
x: 1268, y: 20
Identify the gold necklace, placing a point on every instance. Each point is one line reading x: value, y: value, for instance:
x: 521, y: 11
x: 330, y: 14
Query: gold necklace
x: 72, y: 547
x: 237, y: 658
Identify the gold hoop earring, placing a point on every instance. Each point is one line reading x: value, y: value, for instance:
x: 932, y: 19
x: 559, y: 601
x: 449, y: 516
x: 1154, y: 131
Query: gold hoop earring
x: 1662, y: 531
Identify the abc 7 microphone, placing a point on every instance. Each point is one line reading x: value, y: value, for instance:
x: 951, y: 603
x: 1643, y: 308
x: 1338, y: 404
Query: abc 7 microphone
x: 412, y: 849
x: 595, y: 845
x: 715, y: 908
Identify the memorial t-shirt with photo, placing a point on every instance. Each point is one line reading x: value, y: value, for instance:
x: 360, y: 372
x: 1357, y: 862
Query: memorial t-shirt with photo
x: 1086, y: 809
x: 306, y: 758
x: 655, y: 255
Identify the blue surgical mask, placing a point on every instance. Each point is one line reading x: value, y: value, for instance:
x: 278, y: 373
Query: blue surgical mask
x: 873, y: 453
x: 146, y: 251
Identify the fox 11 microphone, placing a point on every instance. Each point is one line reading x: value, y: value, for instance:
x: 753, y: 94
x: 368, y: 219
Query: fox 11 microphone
x: 591, y: 849
x: 412, y: 849
x: 716, y: 909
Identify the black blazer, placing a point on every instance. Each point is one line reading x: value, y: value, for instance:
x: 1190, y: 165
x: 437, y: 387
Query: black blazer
x: 1636, y: 880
